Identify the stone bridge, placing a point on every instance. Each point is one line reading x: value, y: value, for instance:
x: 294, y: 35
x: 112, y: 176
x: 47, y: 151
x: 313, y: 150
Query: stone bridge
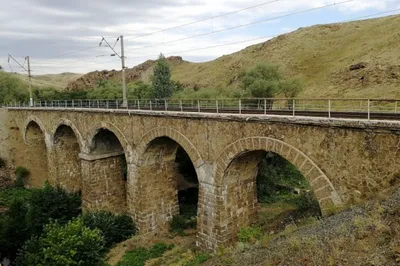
x: 85, y: 150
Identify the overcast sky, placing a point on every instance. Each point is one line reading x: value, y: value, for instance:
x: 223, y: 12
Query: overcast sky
x: 64, y: 35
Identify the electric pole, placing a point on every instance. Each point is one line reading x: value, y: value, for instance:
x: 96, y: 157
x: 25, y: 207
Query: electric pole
x: 122, y: 57
x: 29, y: 75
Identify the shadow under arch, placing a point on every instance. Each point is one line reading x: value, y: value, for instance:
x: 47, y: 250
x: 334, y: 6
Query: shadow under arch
x: 159, y: 178
x: 36, y: 156
x: 72, y: 126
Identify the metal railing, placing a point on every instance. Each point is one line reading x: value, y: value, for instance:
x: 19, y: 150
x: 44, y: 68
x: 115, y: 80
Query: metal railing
x: 330, y: 108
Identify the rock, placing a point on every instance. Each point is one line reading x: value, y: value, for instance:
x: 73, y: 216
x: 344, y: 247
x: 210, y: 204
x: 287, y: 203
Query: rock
x: 358, y: 66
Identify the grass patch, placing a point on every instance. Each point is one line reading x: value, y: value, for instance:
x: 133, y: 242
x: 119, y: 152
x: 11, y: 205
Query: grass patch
x: 198, y: 259
x: 139, y: 256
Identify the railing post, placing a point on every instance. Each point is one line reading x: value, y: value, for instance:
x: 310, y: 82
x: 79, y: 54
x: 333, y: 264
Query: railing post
x: 294, y: 107
x: 66, y: 103
x: 116, y: 104
x: 138, y: 104
x: 329, y: 108
x: 98, y: 104
x: 151, y: 107
x: 216, y: 105
x: 240, y: 106
x: 107, y: 104
x: 198, y: 106
x: 395, y: 107
x: 369, y: 109
x: 73, y: 104
x: 166, y: 104
x: 265, y: 106
x: 180, y: 104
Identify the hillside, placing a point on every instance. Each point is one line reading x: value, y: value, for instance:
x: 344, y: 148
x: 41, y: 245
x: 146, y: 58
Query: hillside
x: 321, y: 54
x: 57, y: 81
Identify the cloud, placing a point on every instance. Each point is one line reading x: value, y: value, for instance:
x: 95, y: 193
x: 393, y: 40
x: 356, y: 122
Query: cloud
x: 52, y: 32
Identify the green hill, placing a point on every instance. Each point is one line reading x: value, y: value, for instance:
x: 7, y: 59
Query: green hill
x: 321, y: 54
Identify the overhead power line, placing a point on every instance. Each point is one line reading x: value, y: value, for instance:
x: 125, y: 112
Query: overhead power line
x: 243, y: 25
x: 202, y: 20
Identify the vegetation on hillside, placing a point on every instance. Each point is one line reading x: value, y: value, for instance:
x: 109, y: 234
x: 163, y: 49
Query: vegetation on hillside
x: 45, y: 227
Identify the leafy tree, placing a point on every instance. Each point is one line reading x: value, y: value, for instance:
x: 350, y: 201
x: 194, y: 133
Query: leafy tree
x: 291, y: 88
x: 141, y: 90
x: 13, y: 229
x: 12, y: 89
x: 51, y: 203
x: 262, y: 81
x: 64, y: 245
x: 115, y: 228
x: 161, y: 79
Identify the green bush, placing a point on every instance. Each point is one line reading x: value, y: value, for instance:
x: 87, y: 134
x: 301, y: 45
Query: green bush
x: 2, y: 163
x: 179, y: 223
x: 139, y: 256
x: 115, y: 228
x: 64, y: 245
x: 21, y: 173
x: 51, y: 203
x: 198, y: 259
x: 13, y: 229
x: 250, y: 234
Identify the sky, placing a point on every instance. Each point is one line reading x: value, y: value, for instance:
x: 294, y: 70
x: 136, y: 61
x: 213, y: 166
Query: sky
x: 64, y: 35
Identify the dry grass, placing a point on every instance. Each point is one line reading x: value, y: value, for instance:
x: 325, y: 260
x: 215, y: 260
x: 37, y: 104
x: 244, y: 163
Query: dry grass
x: 57, y: 81
x: 322, y: 55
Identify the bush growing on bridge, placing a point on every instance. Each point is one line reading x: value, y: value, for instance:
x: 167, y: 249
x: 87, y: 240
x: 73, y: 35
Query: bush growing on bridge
x: 115, y: 228
x: 2, y: 163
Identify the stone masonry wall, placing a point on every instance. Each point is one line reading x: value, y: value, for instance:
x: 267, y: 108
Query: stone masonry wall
x: 104, y: 187
x: 344, y: 161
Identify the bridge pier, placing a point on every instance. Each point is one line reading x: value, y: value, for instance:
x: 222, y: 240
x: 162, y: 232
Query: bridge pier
x: 103, y: 183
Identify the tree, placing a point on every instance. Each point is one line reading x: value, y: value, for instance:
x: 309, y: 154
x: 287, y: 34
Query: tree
x: 51, y: 203
x: 64, y: 245
x: 161, y: 79
x: 291, y: 88
x: 262, y: 81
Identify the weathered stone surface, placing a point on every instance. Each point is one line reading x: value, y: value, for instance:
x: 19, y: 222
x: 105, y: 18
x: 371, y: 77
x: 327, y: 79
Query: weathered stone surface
x: 342, y: 159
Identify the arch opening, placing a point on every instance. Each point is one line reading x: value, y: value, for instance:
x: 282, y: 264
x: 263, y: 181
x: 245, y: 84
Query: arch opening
x: 105, y: 173
x: 66, y: 152
x: 169, y: 188
x: 36, y: 157
x: 267, y: 191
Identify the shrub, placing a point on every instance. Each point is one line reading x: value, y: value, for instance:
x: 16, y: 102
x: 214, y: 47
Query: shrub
x: 198, y: 259
x: 21, y: 173
x: 51, y: 203
x: 2, y: 163
x: 13, y: 229
x: 114, y: 228
x: 71, y: 244
x: 250, y: 234
x: 139, y: 256
x: 181, y: 222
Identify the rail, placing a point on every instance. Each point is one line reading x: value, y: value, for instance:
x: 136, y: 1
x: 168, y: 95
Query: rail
x: 381, y: 109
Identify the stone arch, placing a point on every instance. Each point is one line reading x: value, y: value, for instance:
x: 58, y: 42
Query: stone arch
x: 323, y: 188
x: 153, y: 194
x: 35, y: 157
x: 117, y: 132
x: 69, y: 123
x: 176, y: 136
x: 39, y: 122
x: 106, y: 169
